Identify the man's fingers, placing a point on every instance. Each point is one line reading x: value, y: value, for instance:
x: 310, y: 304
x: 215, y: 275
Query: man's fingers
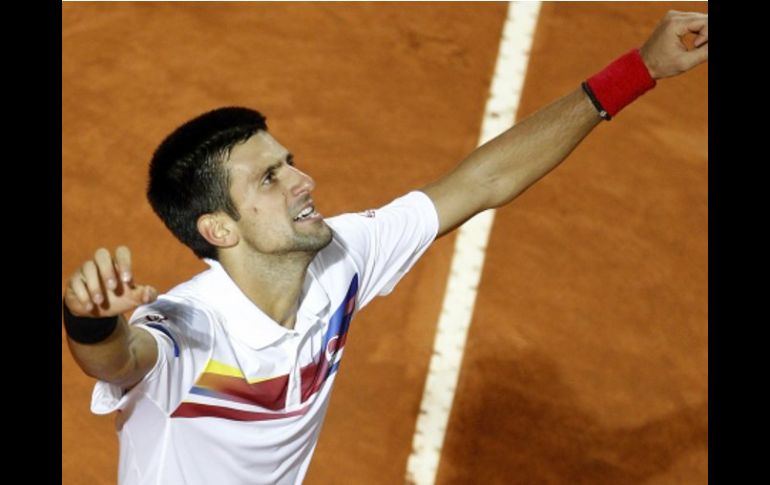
x: 699, y: 55
x: 123, y: 263
x: 703, y: 36
x: 695, y: 23
x: 77, y: 294
x: 106, y: 269
x: 700, y: 28
x: 91, y: 277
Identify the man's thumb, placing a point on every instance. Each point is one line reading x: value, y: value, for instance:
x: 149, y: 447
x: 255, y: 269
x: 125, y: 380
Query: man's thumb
x: 149, y: 294
x: 697, y: 55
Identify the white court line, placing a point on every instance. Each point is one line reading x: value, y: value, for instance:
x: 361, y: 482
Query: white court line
x: 468, y: 257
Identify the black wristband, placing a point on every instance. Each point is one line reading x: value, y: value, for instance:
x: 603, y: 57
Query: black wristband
x: 86, y: 330
x: 602, y: 112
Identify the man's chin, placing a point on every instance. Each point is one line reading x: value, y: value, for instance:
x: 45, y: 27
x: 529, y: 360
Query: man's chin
x: 317, y: 239
x: 325, y: 236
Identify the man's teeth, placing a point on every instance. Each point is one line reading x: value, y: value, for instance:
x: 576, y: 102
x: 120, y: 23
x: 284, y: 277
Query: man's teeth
x: 310, y: 210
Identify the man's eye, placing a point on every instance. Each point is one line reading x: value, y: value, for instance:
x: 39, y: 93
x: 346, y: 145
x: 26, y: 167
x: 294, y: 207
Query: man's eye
x: 268, y: 179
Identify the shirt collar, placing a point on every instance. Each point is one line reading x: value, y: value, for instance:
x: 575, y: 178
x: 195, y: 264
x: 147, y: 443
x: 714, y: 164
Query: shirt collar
x: 246, y: 321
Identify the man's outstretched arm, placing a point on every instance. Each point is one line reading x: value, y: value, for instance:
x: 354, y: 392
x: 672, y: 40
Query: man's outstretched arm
x: 501, y: 169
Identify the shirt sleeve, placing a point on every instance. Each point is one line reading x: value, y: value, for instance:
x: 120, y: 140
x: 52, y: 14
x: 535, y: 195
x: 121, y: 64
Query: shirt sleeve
x: 385, y: 243
x: 182, y: 335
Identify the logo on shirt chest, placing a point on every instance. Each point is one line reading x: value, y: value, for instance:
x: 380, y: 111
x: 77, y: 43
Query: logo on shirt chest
x: 331, y: 348
x: 316, y: 374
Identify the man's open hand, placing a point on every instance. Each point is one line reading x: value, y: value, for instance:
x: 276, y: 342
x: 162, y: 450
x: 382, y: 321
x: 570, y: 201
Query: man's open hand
x: 104, y: 286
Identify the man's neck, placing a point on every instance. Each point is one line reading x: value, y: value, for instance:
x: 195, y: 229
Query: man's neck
x: 272, y: 283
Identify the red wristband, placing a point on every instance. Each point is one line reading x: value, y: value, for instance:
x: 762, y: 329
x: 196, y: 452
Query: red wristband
x: 620, y: 83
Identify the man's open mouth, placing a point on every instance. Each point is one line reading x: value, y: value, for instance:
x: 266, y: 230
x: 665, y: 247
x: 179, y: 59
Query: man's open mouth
x: 307, y: 213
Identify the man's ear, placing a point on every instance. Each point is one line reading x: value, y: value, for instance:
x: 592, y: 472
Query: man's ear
x: 218, y: 230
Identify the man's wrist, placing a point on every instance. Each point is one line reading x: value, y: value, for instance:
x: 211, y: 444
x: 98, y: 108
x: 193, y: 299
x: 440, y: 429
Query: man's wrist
x: 648, y: 63
x: 619, y: 84
x: 86, y: 330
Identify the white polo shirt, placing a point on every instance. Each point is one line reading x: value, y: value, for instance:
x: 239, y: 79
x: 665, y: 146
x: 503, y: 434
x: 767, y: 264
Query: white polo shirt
x: 235, y: 398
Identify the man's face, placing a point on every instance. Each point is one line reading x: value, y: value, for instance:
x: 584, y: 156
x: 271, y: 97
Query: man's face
x: 278, y: 215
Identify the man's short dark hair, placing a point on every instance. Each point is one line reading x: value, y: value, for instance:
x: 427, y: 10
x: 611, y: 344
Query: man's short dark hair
x: 187, y: 173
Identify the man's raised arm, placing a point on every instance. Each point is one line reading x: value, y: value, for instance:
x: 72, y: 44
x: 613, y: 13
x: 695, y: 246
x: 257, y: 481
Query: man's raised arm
x: 100, y: 339
x: 500, y: 170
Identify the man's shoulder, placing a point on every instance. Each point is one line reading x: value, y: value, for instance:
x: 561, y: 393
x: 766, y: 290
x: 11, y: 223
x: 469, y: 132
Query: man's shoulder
x: 415, y: 203
x: 184, y: 306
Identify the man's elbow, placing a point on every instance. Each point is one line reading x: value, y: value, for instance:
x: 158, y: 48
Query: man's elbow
x: 107, y: 373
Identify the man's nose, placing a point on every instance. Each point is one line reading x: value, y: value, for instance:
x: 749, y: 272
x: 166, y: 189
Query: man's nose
x: 302, y: 182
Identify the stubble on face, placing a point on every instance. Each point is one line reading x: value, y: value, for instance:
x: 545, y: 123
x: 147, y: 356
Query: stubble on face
x: 282, y: 240
x: 310, y: 240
